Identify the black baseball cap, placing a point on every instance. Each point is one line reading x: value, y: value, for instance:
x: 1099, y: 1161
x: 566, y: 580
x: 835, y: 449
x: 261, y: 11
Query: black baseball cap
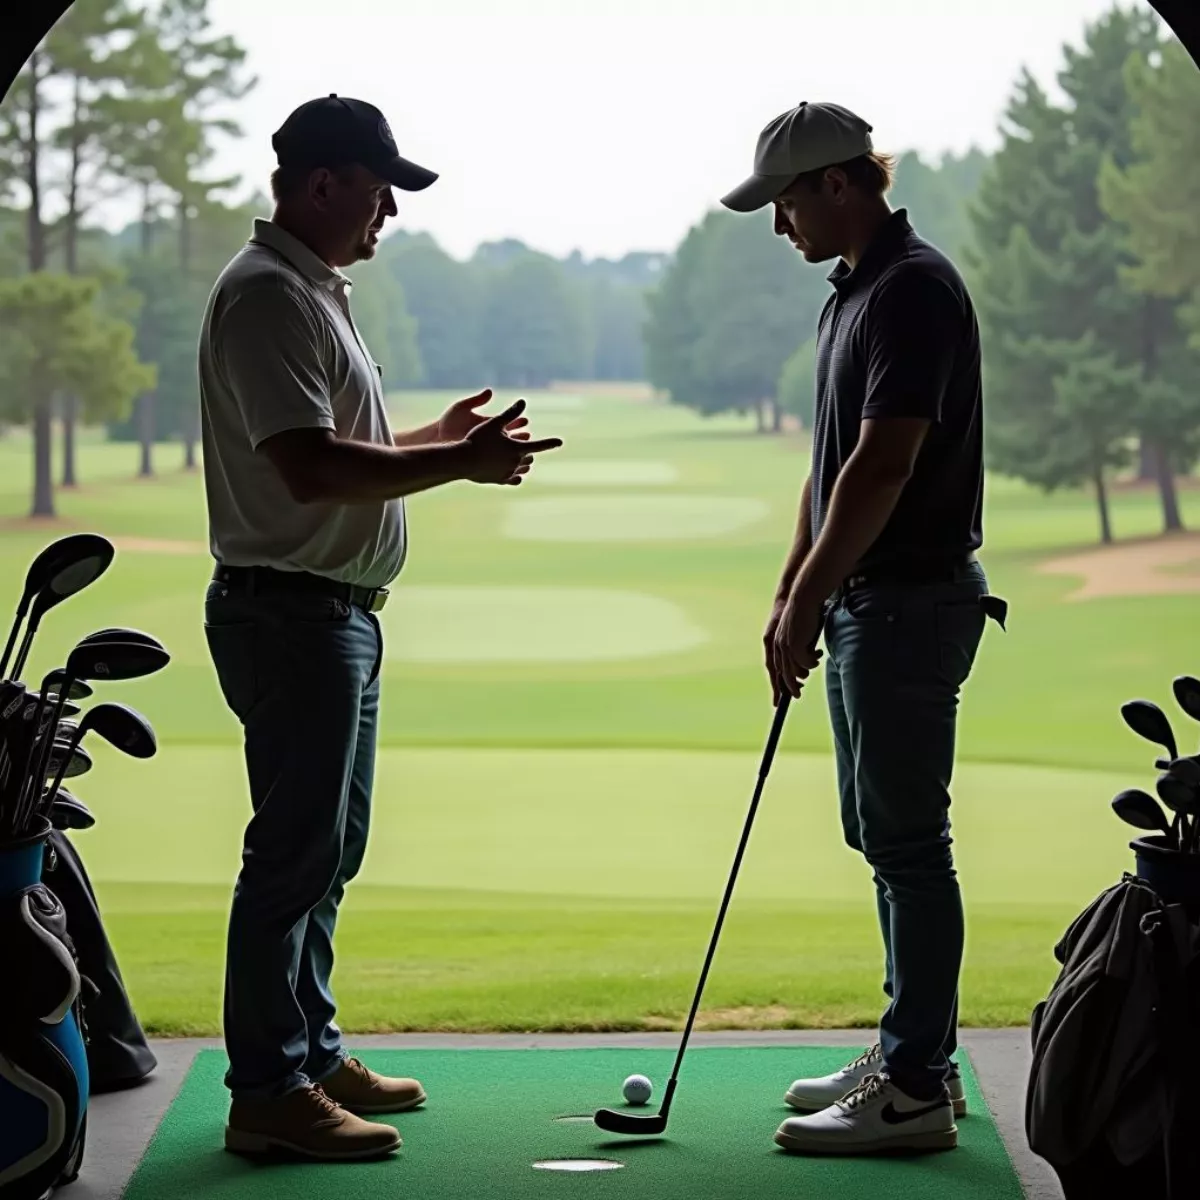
x: 335, y: 131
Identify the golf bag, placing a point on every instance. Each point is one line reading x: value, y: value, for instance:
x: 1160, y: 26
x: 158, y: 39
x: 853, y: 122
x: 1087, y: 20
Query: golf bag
x: 118, y: 1053
x: 44, y: 1081
x: 1110, y: 1098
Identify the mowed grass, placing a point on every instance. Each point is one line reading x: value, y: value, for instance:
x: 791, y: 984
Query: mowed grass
x: 573, y: 712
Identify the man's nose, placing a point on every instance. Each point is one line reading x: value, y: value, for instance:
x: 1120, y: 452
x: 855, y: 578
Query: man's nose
x: 389, y: 203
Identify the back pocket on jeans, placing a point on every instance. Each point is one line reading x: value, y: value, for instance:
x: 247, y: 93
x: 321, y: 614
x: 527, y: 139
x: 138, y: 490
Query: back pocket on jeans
x: 959, y: 631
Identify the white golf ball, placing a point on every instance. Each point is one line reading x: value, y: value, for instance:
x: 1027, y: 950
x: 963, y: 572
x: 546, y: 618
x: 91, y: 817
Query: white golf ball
x: 637, y: 1089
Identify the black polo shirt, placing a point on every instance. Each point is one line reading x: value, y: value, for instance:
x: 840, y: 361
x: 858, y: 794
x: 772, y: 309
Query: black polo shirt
x: 899, y: 338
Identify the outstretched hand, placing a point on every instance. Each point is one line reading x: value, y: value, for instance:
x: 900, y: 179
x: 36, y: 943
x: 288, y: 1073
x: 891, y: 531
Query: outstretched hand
x: 497, y: 455
x: 463, y: 416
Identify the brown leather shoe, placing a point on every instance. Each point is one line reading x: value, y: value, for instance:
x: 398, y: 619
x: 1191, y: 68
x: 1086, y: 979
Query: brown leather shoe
x: 359, y: 1090
x: 305, y: 1122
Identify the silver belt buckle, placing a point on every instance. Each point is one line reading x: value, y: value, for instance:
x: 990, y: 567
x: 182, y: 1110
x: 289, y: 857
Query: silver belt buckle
x: 379, y: 597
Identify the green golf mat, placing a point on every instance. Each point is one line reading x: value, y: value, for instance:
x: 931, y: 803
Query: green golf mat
x: 491, y: 1115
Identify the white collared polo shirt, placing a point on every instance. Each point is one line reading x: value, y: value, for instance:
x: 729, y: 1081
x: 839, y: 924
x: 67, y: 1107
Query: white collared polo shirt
x: 279, y: 350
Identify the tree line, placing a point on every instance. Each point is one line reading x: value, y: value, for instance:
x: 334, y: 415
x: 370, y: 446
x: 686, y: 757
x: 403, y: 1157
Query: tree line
x: 1076, y: 236
x: 98, y: 328
x: 1079, y: 240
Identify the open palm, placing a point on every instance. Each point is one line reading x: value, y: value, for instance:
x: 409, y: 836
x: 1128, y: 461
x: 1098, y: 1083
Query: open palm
x: 464, y: 415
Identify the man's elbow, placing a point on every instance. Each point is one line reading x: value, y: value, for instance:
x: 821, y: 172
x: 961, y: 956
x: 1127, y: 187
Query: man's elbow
x: 303, y: 462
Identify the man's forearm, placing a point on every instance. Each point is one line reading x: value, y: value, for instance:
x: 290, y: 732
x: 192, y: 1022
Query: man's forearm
x: 356, y: 472
x: 862, y: 503
x: 801, y: 544
x: 425, y: 435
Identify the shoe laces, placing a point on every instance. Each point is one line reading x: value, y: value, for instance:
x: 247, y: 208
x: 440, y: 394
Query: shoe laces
x: 321, y: 1101
x: 360, y: 1069
x: 874, y: 1055
x: 870, y: 1089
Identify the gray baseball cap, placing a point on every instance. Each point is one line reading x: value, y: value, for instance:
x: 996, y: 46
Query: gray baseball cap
x: 807, y: 138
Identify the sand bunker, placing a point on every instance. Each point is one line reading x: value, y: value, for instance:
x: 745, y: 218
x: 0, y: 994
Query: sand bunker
x: 1151, y: 567
x: 532, y: 625
x: 630, y: 518
x: 604, y: 473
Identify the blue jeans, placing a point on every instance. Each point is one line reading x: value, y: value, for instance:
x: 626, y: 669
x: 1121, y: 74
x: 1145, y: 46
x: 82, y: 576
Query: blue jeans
x: 896, y: 659
x: 301, y: 674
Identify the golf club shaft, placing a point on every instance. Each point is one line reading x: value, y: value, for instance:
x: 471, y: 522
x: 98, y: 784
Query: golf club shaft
x: 768, y: 756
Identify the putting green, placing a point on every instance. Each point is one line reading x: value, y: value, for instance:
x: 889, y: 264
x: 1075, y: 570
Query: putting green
x: 605, y: 472
x: 489, y: 624
x: 614, y: 823
x: 630, y: 518
x: 493, y: 1114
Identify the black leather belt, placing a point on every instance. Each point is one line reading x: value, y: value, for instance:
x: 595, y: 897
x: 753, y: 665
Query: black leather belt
x: 264, y: 581
x: 916, y: 571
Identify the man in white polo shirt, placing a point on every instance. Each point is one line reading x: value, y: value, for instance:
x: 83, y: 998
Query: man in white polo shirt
x: 305, y: 485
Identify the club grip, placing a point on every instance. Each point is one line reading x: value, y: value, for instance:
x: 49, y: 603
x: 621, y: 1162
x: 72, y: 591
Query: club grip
x: 781, y: 709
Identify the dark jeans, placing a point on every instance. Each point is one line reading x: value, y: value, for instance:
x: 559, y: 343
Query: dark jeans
x: 301, y: 674
x: 896, y: 657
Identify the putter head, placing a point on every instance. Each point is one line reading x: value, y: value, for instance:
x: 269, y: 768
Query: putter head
x: 619, y: 1122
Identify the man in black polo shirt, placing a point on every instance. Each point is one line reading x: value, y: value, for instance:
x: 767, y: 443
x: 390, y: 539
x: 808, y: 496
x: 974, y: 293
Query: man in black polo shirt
x: 883, y: 564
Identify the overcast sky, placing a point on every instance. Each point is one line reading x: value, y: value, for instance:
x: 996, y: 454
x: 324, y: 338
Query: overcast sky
x: 613, y: 125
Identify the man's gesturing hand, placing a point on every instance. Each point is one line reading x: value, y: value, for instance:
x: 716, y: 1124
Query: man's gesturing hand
x: 495, y: 457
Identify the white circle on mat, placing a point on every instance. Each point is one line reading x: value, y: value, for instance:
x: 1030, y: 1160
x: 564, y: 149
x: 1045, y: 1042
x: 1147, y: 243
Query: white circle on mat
x: 578, y: 1164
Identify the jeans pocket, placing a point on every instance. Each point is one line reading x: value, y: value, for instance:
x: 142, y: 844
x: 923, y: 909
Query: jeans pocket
x: 233, y: 647
x: 868, y: 605
x: 960, y: 625
x: 300, y: 609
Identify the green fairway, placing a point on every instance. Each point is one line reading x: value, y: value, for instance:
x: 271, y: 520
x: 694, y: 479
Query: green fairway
x: 574, y: 706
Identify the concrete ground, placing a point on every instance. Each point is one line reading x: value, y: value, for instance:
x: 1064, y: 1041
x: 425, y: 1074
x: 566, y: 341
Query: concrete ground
x: 120, y: 1125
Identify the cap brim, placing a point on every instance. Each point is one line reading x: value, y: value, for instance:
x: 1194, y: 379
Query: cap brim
x: 405, y: 175
x: 757, y: 192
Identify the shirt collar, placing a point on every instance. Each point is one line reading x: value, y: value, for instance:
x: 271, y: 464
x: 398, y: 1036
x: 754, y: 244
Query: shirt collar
x: 877, y: 254
x: 299, y: 255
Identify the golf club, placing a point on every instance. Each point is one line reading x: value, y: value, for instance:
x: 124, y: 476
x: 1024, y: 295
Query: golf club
x: 1141, y: 810
x: 110, y: 661
x: 1187, y: 694
x: 1147, y: 720
x: 120, y: 726
x: 121, y: 635
x: 66, y: 567
x: 1179, y: 798
x: 69, y: 812
x: 618, y: 1122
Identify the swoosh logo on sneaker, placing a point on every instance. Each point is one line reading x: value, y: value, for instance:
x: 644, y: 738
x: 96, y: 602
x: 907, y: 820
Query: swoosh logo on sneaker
x: 893, y: 1116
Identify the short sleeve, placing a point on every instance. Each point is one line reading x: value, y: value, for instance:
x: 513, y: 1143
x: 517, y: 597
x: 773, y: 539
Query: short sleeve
x: 914, y: 333
x: 268, y: 347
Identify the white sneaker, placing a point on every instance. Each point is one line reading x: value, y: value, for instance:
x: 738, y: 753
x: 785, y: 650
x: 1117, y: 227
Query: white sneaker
x: 875, y: 1118
x: 812, y: 1095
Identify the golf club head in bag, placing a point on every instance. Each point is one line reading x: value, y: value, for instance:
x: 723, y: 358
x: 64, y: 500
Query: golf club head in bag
x: 65, y: 567
x: 121, y: 726
x: 1147, y: 720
